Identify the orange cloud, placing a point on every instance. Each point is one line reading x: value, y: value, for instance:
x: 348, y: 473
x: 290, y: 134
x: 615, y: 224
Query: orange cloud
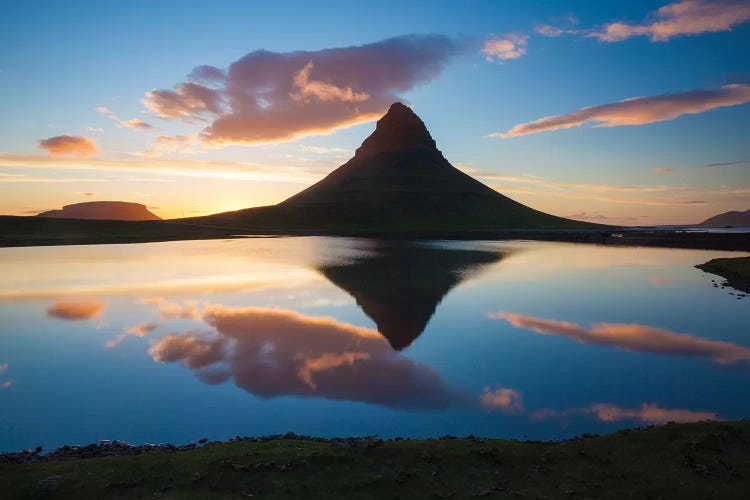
x: 648, y: 412
x: 69, y: 145
x: 267, y: 97
x: 142, y: 329
x: 137, y: 124
x: 633, y: 337
x: 638, y: 110
x: 504, y: 399
x: 76, y: 310
x: 665, y: 170
x: 273, y: 352
x: 689, y: 17
x: 323, y: 90
x: 505, y: 47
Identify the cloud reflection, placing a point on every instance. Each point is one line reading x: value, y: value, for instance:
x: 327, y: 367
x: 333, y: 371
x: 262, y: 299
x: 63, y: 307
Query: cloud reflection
x: 80, y: 310
x: 633, y: 337
x: 273, y: 352
x: 648, y: 412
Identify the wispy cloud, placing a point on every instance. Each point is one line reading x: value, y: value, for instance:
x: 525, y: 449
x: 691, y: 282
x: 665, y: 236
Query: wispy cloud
x: 665, y: 170
x: 504, y: 47
x: 69, y: 145
x: 689, y: 17
x: 728, y: 164
x: 652, y: 195
x: 268, y: 97
x: 20, y: 178
x: 633, y: 337
x: 638, y: 110
x: 135, y: 123
x: 164, y: 166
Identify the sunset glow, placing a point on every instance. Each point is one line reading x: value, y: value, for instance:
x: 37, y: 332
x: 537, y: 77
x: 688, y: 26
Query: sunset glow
x: 236, y: 118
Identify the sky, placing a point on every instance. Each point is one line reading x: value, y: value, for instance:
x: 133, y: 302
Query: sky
x: 633, y: 113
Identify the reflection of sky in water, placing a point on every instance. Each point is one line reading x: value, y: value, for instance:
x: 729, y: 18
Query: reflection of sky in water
x: 173, y: 341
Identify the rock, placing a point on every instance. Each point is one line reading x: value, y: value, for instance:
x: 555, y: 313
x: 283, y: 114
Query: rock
x: 203, y: 440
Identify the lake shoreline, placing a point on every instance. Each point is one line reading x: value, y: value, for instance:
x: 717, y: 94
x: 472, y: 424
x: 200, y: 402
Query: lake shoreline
x: 33, y: 231
x: 693, y: 460
x: 736, y: 271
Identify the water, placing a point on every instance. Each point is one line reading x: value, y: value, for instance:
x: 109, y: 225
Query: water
x: 170, y: 342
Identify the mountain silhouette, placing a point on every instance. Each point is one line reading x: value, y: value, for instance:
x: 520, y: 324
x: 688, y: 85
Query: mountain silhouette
x: 397, y: 179
x: 107, y: 210
x: 401, y: 285
x: 733, y: 218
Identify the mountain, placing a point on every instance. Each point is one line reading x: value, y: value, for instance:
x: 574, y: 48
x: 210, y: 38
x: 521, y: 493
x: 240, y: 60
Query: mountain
x: 109, y: 210
x: 397, y: 180
x: 734, y: 218
x: 400, y: 285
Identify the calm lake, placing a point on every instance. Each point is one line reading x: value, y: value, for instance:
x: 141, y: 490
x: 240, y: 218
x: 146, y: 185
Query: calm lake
x: 171, y: 342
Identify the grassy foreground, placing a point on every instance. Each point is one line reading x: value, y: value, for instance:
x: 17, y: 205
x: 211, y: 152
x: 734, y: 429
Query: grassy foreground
x: 704, y: 460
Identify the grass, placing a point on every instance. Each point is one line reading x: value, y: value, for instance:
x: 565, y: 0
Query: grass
x: 703, y: 460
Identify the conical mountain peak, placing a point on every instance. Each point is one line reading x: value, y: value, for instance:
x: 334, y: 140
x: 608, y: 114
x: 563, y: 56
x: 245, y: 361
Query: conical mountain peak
x: 399, y: 129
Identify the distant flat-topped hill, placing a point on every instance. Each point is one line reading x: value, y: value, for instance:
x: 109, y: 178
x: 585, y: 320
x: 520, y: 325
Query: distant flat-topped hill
x: 733, y: 218
x: 397, y: 180
x: 102, y: 210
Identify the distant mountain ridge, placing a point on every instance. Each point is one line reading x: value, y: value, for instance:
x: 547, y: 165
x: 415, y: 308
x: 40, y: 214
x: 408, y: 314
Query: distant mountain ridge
x: 733, y: 218
x: 103, y: 210
x: 397, y: 180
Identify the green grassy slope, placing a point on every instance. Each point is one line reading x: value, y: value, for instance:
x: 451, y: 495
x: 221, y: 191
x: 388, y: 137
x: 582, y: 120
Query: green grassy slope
x: 685, y: 461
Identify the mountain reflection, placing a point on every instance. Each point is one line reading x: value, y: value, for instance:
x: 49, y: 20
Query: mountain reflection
x: 401, y: 285
x: 273, y: 352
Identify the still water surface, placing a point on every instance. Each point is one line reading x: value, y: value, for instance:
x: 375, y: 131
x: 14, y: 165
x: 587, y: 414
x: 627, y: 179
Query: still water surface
x: 170, y: 342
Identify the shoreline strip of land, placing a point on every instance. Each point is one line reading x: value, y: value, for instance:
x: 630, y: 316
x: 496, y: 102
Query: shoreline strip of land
x: 697, y: 460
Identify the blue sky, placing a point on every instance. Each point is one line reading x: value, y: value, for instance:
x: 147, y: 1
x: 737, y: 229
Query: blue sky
x: 59, y: 62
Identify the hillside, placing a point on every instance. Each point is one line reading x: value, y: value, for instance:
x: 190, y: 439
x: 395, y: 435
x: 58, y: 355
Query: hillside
x: 733, y: 218
x: 397, y: 180
x: 102, y: 210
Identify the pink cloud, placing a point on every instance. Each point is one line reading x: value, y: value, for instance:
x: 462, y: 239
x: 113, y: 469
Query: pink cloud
x: 505, y: 47
x: 504, y: 399
x: 665, y: 170
x: 69, y: 145
x: 689, y: 17
x: 76, y: 310
x: 638, y: 110
x: 267, y: 97
x: 633, y: 337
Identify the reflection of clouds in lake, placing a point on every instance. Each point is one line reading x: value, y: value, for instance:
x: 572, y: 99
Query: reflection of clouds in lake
x: 140, y: 330
x: 79, y: 310
x: 504, y: 399
x: 6, y: 384
x: 648, y: 412
x: 4, y: 368
x: 633, y: 337
x: 188, y: 309
x: 273, y: 352
x: 510, y: 401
